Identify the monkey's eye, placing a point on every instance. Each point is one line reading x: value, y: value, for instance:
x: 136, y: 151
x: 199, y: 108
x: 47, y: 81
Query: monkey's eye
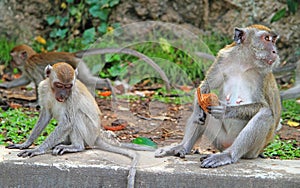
x: 59, y: 85
x: 68, y: 86
x: 268, y: 38
x: 274, y: 38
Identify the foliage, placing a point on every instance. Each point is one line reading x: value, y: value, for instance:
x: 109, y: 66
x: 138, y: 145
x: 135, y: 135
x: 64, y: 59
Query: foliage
x: 292, y: 8
x: 5, y: 48
x: 77, y: 24
x: 282, y: 149
x: 291, y: 110
x: 16, y: 125
x: 175, y: 96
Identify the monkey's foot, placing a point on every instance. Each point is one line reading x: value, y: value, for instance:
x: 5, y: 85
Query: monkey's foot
x: 61, y: 149
x: 216, y: 160
x: 30, y: 153
x: 178, y: 150
x: 18, y: 146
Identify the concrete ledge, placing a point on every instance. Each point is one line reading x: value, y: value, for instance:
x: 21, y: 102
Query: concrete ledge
x: 95, y: 168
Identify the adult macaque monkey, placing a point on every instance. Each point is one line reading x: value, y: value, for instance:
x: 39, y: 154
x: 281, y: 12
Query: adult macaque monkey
x: 250, y: 103
x: 66, y: 99
x: 33, y: 64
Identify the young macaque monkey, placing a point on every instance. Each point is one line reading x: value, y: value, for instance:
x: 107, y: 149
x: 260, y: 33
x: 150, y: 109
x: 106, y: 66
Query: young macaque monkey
x: 33, y: 64
x: 63, y: 97
x: 249, y: 110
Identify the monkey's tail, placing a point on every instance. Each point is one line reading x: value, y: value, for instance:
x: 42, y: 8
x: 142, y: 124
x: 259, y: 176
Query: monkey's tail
x: 101, y: 144
x: 127, y: 51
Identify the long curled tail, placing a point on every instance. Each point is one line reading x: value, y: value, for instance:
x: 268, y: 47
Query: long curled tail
x: 101, y: 144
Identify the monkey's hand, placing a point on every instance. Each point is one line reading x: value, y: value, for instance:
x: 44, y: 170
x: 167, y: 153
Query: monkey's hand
x: 216, y: 160
x: 31, y: 153
x: 178, y: 150
x: 217, y: 112
x: 24, y: 145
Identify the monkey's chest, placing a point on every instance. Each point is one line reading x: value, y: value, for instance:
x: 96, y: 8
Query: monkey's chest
x: 238, y: 91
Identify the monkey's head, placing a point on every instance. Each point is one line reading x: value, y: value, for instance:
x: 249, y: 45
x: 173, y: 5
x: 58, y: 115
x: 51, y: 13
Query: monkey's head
x: 62, y: 78
x: 261, y: 42
x: 20, y: 54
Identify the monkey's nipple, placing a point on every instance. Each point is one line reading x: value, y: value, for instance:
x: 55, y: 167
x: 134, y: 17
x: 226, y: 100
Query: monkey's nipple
x: 270, y: 62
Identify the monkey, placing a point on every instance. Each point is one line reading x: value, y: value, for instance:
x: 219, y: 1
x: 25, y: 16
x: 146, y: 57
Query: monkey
x: 249, y: 102
x: 67, y: 99
x: 33, y: 64
x: 293, y: 92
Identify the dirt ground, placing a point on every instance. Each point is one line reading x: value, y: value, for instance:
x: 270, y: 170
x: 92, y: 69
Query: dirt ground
x: 163, y: 123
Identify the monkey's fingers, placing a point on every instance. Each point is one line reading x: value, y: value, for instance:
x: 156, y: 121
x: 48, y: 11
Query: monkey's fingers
x: 16, y: 146
x: 30, y: 153
x: 216, y: 111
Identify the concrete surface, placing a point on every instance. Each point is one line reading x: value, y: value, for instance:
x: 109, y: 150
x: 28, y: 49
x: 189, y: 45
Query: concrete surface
x: 95, y: 168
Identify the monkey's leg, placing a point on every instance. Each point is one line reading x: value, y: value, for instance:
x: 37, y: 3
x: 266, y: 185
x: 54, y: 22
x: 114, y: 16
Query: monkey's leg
x: 248, y: 143
x: 56, y: 137
x: 77, y: 144
x: 43, y: 121
x: 22, y: 81
x: 193, y: 130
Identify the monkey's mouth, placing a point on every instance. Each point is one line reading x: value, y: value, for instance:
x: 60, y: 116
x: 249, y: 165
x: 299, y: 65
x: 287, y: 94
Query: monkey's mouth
x: 270, y: 62
x: 60, y: 99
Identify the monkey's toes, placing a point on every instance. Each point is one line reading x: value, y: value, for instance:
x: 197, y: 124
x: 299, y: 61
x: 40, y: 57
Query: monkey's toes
x: 215, y: 160
x: 160, y: 152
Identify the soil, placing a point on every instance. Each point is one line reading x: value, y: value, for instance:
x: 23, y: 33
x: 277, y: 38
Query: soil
x: 161, y: 122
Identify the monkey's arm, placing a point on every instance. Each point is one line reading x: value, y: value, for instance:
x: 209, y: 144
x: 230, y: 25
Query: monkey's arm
x: 55, y: 138
x: 245, y: 112
x: 23, y: 80
x: 213, y: 79
x: 43, y: 121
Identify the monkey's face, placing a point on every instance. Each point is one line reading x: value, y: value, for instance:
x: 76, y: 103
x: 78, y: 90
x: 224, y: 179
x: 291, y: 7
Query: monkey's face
x: 61, y: 91
x: 18, y: 58
x: 265, y: 48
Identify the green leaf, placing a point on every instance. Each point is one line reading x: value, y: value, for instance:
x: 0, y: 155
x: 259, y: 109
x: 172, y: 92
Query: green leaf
x: 278, y: 15
x: 70, y: 1
x: 89, y: 36
x: 95, y: 10
x: 144, y: 141
x: 292, y: 6
x: 102, y: 28
x: 63, y: 20
x: 116, y: 70
x: 113, y: 2
x: 91, y: 1
x: 61, y: 33
x: 50, y: 20
x: 73, y: 10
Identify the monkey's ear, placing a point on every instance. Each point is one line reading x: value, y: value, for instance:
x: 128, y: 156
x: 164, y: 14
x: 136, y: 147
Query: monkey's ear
x: 76, y: 72
x: 239, y: 35
x: 23, y: 55
x: 48, y: 70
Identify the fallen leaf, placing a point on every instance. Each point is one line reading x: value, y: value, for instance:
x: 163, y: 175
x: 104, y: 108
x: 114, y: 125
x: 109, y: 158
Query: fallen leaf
x: 293, y: 123
x: 104, y: 93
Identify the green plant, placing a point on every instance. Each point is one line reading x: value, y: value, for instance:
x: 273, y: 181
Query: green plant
x: 282, y: 149
x: 16, y: 125
x: 175, y: 96
x: 77, y: 24
x: 292, y: 8
x: 5, y: 48
x: 291, y: 110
